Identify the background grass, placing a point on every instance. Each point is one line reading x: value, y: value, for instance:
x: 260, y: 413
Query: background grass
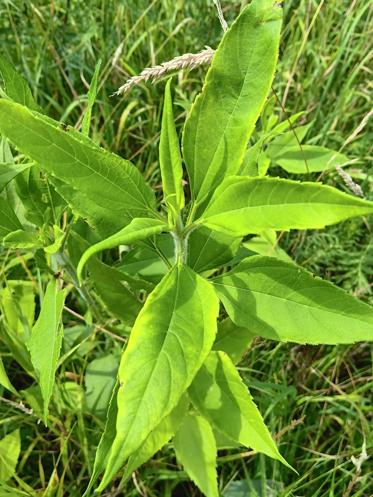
x: 317, y: 399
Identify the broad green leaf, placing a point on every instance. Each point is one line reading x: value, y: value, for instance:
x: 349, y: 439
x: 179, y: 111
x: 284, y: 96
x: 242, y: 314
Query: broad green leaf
x: 157, y: 438
x: 92, y: 93
x: 232, y: 339
x: 45, y: 341
x: 209, y: 250
x: 137, y: 230
x: 10, y: 448
x: 243, y: 205
x: 281, y: 301
x: 10, y: 171
x: 220, y: 395
x: 223, y: 116
x: 106, y: 441
x: 100, y: 378
x: 170, y: 159
x: 22, y: 239
x: 307, y: 159
x: 8, y: 220
x: 15, y: 86
x: 101, y: 187
x: 4, y: 380
x: 111, y: 286
x: 195, y: 449
x: 170, y: 340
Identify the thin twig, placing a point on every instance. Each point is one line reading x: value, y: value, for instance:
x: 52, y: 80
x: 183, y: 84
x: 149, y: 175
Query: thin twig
x: 97, y: 326
x: 18, y: 405
x: 251, y: 453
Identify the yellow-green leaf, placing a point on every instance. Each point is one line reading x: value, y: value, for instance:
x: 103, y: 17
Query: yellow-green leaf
x: 223, y: 116
x: 171, y: 338
x: 45, y: 341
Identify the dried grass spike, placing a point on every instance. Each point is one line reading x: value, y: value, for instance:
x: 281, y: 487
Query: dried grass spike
x: 186, y: 61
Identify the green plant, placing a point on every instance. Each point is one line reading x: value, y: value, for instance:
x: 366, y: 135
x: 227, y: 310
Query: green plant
x: 177, y: 376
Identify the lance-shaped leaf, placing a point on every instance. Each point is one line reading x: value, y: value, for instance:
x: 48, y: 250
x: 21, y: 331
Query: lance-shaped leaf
x: 15, y: 86
x: 157, y: 438
x: 137, y: 230
x: 45, y: 341
x: 243, y: 205
x: 171, y: 338
x: 170, y: 158
x: 221, y: 396
x: 232, y: 339
x: 236, y: 86
x: 100, y: 186
x: 306, y: 158
x: 91, y: 96
x: 195, y: 448
x: 112, y: 287
x: 8, y: 220
x: 281, y: 301
x: 266, y: 244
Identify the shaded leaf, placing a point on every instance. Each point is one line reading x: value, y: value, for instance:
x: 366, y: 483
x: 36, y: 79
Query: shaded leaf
x: 110, y: 285
x: 157, y: 438
x: 145, y: 259
x: 307, y: 159
x: 195, y: 448
x: 10, y: 171
x: 100, y: 378
x: 209, y: 250
x: 221, y: 396
x: 282, y: 301
x: 8, y: 220
x: 4, y: 380
x: 232, y: 339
